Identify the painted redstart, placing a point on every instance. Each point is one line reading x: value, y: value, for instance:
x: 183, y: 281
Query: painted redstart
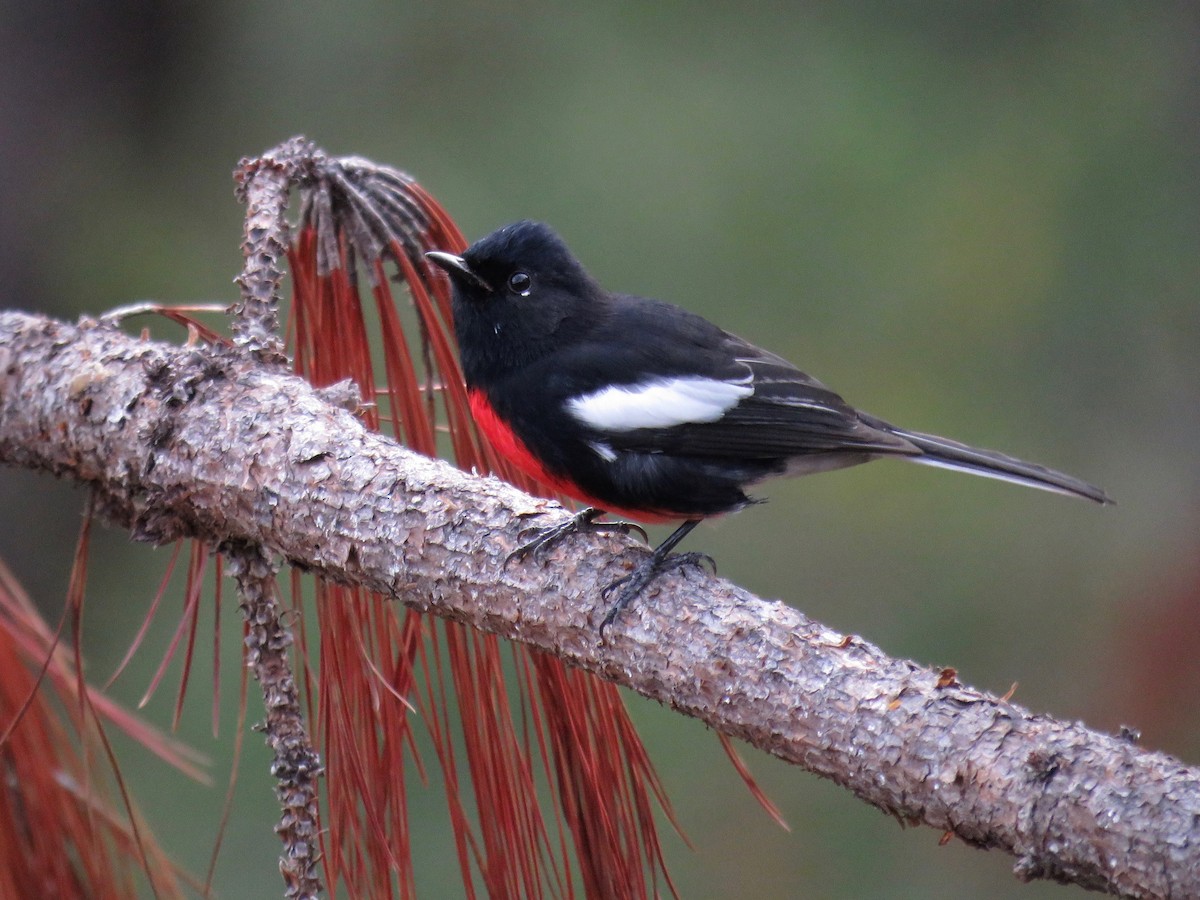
x: 642, y: 409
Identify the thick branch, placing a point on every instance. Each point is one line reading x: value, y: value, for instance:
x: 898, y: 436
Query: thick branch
x: 200, y: 443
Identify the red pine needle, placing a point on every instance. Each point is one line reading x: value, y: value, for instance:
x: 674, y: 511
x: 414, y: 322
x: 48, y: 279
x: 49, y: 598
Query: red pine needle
x: 149, y: 617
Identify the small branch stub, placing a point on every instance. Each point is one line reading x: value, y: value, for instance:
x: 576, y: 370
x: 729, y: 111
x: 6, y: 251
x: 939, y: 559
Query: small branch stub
x: 263, y: 185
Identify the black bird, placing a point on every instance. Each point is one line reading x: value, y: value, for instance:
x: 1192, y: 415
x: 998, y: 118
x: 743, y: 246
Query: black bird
x: 643, y: 409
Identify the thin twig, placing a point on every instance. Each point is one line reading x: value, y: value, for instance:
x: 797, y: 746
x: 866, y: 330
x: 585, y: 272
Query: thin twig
x: 297, y: 765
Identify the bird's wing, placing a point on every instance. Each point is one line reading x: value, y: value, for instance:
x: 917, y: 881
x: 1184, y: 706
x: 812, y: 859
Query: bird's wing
x: 718, y: 395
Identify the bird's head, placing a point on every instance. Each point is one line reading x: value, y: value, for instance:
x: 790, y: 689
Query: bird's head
x: 517, y: 293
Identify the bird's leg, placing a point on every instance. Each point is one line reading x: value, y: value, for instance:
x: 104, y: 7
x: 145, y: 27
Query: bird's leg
x: 582, y: 521
x: 660, y: 560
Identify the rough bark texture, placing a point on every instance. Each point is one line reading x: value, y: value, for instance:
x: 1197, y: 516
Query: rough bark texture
x: 296, y: 765
x: 205, y: 443
x: 263, y: 184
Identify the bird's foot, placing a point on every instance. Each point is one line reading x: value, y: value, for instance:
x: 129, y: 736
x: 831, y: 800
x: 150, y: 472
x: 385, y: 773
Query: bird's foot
x: 636, y: 581
x: 583, y: 521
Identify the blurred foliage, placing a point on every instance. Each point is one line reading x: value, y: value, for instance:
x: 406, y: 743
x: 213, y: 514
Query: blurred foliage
x: 978, y: 220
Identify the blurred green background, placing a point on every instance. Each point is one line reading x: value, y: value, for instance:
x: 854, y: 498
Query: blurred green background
x: 974, y: 219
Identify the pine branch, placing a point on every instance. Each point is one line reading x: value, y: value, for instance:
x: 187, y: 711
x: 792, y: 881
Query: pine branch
x: 296, y: 765
x: 208, y: 443
x: 263, y: 184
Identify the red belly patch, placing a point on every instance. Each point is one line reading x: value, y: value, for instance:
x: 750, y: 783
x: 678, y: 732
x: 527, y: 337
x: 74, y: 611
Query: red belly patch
x: 512, y: 448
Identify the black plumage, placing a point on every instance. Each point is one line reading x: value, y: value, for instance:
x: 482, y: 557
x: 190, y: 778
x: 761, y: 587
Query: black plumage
x: 640, y: 406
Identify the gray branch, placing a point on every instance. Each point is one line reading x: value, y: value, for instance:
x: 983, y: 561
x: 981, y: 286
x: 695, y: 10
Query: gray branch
x: 263, y: 184
x: 296, y: 765
x: 210, y: 444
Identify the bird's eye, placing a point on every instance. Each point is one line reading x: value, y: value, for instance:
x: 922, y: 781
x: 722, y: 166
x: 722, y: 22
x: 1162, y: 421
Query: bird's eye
x: 520, y: 283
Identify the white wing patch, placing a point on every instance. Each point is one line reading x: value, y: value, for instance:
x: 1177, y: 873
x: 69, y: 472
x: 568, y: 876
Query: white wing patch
x: 662, y: 403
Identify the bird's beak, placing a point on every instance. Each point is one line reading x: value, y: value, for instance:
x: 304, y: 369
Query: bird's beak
x: 456, y: 267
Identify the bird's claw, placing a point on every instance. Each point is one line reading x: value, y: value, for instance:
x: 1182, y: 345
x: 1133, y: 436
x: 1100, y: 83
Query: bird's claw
x: 637, y: 580
x: 698, y: 559
x: 626, y: 528
x: 582, y: 521
x: 543, y: 537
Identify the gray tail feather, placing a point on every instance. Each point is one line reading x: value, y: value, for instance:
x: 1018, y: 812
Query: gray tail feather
x: 948, y: 454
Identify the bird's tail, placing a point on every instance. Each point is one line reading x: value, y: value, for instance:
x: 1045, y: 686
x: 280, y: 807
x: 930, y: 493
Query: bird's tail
x: 948, y: 454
